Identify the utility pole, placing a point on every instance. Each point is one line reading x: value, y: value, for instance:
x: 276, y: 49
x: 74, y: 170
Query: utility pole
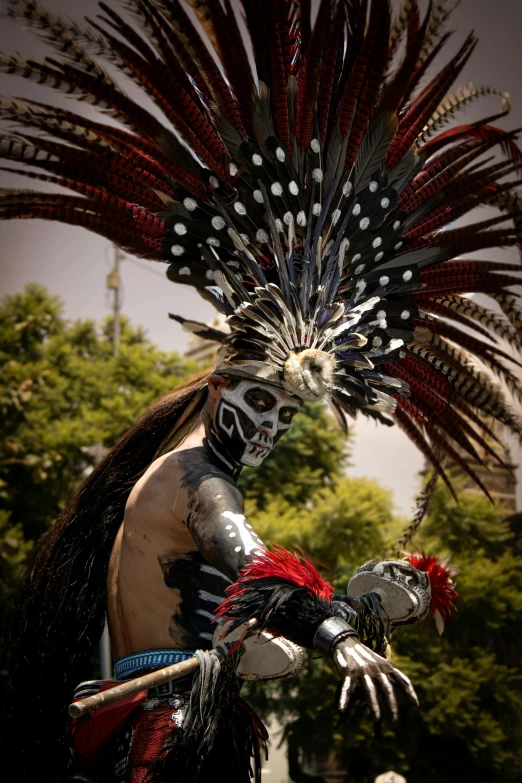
x: 113, y: 284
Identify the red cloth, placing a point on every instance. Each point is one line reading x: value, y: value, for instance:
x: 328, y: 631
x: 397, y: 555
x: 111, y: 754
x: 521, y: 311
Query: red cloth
x: 92, y: 733
x: 143, y: 733
x: 153, y: 730
x: 127, y: 742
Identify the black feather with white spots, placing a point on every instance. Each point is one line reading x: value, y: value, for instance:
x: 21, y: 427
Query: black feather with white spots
x: 306, y: 197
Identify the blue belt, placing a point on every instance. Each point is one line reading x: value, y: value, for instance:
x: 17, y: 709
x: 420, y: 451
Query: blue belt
x: 130, y: 665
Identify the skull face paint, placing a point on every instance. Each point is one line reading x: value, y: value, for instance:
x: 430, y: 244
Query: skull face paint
x: 249, y: 420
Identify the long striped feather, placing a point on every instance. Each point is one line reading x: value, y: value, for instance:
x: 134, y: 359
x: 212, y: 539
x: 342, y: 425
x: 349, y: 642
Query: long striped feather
x: 304, y: 178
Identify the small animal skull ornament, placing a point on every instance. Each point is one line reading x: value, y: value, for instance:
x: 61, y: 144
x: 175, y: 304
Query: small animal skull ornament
x: 404, y: 590
x: 251, y: 417
x: 309, y: 374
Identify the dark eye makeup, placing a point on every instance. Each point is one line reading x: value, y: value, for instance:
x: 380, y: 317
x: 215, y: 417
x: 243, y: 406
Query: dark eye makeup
x: 260, y: 399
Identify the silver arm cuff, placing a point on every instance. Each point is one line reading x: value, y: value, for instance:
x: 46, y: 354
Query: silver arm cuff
x: 330, y: 632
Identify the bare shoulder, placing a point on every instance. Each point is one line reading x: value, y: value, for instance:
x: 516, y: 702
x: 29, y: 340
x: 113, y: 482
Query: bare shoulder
x: 175, y: 483
x: 204, y: 484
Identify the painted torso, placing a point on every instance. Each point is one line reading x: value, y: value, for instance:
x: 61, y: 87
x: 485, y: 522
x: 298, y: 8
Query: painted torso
x: 184, y: 537
x: 182, y: 542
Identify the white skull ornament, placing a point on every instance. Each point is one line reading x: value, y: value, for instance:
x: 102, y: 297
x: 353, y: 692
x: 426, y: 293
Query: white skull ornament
x: 405, y: 591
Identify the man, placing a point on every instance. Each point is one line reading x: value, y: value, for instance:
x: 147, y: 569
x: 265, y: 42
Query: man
x: 305, y: 198
x: 185, y: 539
x: 186, y: 515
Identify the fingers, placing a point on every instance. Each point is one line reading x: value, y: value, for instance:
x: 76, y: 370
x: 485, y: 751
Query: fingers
x: 362, y: 666
x: 371, y: 693
x: 406, y: 685
x: 347, y: 689
x: 385, y: 682
x: 390, y: 693
x: 349, y: 685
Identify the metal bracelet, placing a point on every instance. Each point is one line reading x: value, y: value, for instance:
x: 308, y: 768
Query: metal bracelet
x: 330, y: 632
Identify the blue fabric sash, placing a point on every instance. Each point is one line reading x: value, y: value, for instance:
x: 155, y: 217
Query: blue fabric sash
x: 130, y: 665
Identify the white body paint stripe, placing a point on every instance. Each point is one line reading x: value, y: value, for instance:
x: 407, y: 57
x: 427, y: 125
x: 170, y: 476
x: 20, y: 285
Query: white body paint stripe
x: 220, y: 456
x: 208, y: 569
x: 362, y: 650
x: 203, y: 613
x: 212, y: 599
x: 351, y: 652
x: 247, y: 539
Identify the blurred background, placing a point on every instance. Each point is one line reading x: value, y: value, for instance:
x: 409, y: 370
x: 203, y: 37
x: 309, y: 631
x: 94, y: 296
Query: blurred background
x: 74, y: 378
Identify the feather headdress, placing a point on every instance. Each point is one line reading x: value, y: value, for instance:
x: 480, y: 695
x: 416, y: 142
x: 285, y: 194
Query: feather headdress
x: 309, y: 197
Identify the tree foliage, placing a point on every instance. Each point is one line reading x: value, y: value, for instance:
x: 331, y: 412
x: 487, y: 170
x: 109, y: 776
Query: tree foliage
x: 468, y: 680
x: 64, y: 398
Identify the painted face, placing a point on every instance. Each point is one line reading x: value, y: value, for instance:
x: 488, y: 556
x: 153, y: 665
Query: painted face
x: 251, y: 417
x: 405, y: 591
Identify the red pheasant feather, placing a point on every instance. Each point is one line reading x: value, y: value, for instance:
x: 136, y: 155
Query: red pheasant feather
x: 309, y: 158
x: 443, y: 593
x: 278, y: 564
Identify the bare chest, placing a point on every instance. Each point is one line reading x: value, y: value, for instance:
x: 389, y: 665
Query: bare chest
x: 162, y: 591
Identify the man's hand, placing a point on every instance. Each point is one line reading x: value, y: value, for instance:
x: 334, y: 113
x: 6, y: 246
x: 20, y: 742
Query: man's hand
x: 358, y: 666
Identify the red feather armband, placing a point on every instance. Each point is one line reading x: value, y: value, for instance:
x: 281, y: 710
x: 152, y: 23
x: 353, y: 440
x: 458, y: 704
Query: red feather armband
x: 284, y: 593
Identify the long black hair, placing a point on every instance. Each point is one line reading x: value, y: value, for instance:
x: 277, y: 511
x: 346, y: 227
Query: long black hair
x: 63, y: 599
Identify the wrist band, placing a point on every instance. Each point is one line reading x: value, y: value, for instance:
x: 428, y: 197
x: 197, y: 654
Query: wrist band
x: 330, y: 632
x: 344, y: 610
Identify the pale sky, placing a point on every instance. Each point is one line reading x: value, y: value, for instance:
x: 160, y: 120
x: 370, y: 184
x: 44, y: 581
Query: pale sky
x: 73, y: 262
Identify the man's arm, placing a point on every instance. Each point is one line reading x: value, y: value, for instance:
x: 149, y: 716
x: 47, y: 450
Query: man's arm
x: 212, y: 509
x: 281, y: 591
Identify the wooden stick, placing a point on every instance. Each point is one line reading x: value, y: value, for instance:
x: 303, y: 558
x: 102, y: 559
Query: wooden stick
x: 132, y: 687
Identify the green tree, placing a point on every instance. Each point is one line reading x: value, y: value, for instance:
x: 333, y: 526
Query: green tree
x: 469, y: 725
x: 469, y: 681
x: 63, y: 395
x: 64, y: 398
